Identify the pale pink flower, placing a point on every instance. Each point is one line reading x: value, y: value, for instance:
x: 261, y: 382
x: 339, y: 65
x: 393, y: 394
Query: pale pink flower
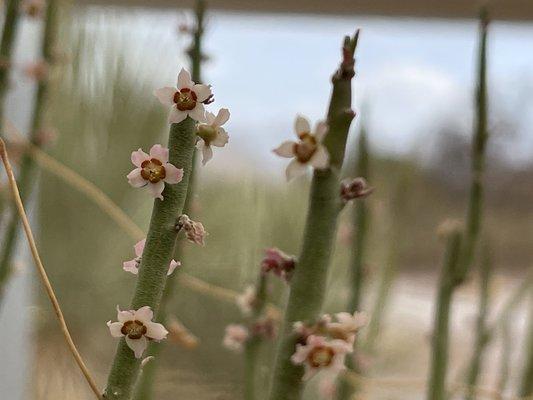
x: 308, y: 151
x: 327, y: 387
x: 320, y: 354
x: 279, y: 263
x: 185, y: 100
x: 33, y: 8
x: 37, y: 70
x: 247, y: 299
x: 236, y: 336
x: 194, y: 231
x: 212, y: 133
x: 133, y: 265
x: 137, y: 327
x: 347, y: 325
x: 153, y: 170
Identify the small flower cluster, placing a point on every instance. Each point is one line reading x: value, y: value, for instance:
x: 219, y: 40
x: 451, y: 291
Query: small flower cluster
x: 153, y: 171
x: 354, y: 189
x: 263, y: 326
x: 279, y: 263
x: 323, y: 346
x: 308, y: 151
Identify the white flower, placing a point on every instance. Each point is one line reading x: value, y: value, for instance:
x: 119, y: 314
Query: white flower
x: 236, y: 336
x: 347, y: 325
x: 246, y: 300
x: 133, y: 265
x: 308, y: 151
x: 319, y: 354
x: 187, y: 100
x: 138, y: 328
x: 212, y: 133
x: 153, y: 170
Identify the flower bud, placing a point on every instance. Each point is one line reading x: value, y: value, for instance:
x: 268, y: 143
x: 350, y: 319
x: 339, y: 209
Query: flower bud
x: 355, y: 189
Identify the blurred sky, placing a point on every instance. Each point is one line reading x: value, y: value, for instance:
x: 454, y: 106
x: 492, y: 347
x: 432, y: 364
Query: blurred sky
x: 414, y: 77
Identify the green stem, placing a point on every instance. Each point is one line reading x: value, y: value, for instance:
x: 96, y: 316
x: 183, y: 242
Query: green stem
x: 505, y: 355
x: 253, y: 346
x: 448, y: 283
x: 27, y: 165
x: 388, y: 270
x: 479, y: 144
x: 144, y: 390
x: 158, y: 252
x: 357, y: 270
x: 11, y: 21
x: 526, y: 387
x: 308, y: 283
x: 481, y: 325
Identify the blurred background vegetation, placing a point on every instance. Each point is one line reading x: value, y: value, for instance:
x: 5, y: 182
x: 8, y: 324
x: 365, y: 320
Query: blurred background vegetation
x: 103, y: 108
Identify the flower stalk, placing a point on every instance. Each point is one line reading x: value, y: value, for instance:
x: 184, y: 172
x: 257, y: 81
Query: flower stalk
x: 308, y: 284
x: 357, y: 270
x: 27, y: 164
x: 157, y: 254
x: 449, y: 279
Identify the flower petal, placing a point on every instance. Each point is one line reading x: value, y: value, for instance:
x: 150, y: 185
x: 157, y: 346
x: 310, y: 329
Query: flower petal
x: 156, y: 331
x: 137, y: 345
x: 135, y: 179
x: 207, y: 152
x: 176, y: 116
x: 198, y: 113
x: 184, y: 79
x: 294, y: 169
x: 144, y: 314
x: 222, y: 138
x: 124, y: 316
x: 156, y: 189
x: 202, y: 92
x: 286, y: 149
x: 131, y: 266
x: 173, y: 175
x: 159, y: 152
x: 301, y: 125
x: 173, y: 265
x: 115, y: 328
x: 166, y: 95
x: 321, y: 130
x: 209, y: 117
x: 137, y: 157
x: 222, y: 117
x: 320, y: 159
x: 139, y: 247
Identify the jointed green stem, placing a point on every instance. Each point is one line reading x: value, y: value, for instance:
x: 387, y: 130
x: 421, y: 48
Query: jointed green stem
x: 448, y: 283
x: 308, y: 283
x: 526, y: 387
x: 481, y: 325
x: 253, y: 345
x: 357, y: 270
x: 158, y: 252
x: 27, y: 165
x: 11, y: 22
x: 144, y: 390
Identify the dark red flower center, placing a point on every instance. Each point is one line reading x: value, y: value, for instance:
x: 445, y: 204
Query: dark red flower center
x: 152, y: 170
x: 185, y: 99
x: 133, y: 329
x: 305, y: 149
